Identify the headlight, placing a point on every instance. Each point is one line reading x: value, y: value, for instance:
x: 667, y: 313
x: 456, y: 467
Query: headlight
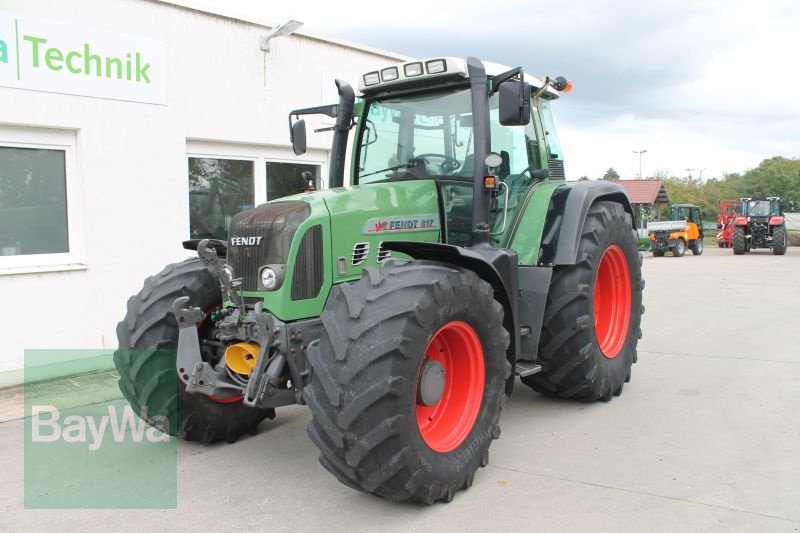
x: 436, y: 66
x: 372, y: 78
x: 413, y: 69
x: 269, y: 279
x: 390, y: 74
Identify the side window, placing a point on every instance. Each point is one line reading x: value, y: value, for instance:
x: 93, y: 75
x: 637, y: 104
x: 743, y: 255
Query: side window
x: 380, y: 140
x: 550, y: 133
x: 218, y: 189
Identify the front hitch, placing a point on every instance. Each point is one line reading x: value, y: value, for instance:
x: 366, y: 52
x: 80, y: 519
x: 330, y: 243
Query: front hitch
x: 196, y: 374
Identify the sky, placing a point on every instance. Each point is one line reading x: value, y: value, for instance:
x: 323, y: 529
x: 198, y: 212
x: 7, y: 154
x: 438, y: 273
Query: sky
x: 703, y: 85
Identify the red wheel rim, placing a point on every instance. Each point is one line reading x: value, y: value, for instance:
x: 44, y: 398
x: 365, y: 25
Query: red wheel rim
x: 445, y: 425
x: 612, y: 301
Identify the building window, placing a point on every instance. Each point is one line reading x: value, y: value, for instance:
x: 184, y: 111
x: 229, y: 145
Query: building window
x: 218, y: 189
x: 39, y: 213
x: 33, y: 202
x: 285, y: 179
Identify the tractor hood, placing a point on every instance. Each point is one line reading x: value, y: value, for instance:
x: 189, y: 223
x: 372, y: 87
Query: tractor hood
x: 314, y: 240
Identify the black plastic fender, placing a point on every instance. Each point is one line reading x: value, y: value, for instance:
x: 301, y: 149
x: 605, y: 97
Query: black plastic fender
x: 496, y: 266
x: 566, y: 214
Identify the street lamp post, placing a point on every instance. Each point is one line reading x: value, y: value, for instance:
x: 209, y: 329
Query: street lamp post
x: 640, y: 152
x: 689, y: 170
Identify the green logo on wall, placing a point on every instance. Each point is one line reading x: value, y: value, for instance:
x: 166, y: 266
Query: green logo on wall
x: 59, y: 57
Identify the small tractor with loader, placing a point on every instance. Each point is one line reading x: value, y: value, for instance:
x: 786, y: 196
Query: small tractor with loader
x: 760, y: 224
x: 683, y: 230
x: 401, y: 303
x: 728, y: 211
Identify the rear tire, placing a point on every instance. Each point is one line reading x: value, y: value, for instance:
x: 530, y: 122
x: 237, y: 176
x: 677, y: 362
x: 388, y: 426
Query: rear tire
x: 680, y: 248
x: 372, y: 432
x: 658, y: 253
x: 779, y: 240
x: 148, y: 339
x: 739, y: 241
x: 697, y: 247
x: 571, y: 351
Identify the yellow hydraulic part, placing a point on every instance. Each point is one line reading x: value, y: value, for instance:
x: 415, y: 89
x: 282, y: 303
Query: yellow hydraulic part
x: 242, y: 356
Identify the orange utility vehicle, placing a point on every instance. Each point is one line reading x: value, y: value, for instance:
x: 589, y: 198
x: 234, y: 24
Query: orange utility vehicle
x: 684, y: 230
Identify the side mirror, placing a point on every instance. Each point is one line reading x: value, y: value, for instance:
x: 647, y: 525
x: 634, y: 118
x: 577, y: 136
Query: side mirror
x: 515, y: 103
x: 299, y: 137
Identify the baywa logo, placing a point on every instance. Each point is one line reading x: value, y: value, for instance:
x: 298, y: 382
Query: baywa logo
x: 47, y: 425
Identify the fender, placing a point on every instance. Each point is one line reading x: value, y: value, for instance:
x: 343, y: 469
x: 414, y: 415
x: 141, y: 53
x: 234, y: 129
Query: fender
x: 566, y: 214
x: 776, y: 221
x: 740, y: 221
x: 496, y: 266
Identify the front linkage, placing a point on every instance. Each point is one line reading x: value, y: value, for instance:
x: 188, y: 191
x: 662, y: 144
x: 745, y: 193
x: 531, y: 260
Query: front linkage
x: 280, y: 345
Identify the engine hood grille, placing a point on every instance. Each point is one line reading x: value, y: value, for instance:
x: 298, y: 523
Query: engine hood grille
x: 263, y: 236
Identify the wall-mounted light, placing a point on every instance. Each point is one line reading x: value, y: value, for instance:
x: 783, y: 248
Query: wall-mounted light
x: 285, y: 27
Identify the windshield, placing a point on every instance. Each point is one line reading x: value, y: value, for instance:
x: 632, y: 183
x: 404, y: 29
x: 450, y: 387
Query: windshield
x: 417, y: 136
x: 431, y: 135
x: 759, y: 208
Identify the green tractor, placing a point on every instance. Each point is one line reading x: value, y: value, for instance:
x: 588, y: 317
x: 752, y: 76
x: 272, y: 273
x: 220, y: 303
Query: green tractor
x: 400, y: 303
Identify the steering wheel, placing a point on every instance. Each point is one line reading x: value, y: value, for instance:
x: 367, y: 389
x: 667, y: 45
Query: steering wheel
x: 447, y: 165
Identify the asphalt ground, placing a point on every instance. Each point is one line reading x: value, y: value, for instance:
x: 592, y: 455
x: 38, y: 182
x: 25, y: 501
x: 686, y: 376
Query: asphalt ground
x: 706, y: 437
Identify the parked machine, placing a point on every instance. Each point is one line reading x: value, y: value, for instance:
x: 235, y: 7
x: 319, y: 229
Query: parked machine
x: 400, y: 304
x: 683, y: 230
x: 728, y: 211
x: 760, y: 225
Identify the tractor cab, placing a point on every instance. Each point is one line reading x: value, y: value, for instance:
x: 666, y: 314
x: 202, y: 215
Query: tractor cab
x: 761, y: 208
x: 689, y: 213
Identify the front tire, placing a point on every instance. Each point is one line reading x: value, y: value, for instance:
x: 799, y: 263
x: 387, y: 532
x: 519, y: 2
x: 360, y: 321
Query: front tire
x: 593, y: 312
x: 379, y: 420
x: 739, y: 241
x: 779, y: 240
x: 148, y: 340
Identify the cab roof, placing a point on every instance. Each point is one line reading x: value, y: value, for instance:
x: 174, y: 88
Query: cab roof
x: 408, y: 72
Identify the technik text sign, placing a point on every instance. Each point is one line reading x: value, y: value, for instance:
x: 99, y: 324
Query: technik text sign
x: 57, y: 57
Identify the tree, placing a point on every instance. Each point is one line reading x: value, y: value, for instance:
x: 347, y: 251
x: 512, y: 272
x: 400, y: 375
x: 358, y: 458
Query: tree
x: 583, y: 178
x: 610, y: 174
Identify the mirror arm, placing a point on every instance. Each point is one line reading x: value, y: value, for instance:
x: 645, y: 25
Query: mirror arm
x: 327, y: 110
x: 504, y: 77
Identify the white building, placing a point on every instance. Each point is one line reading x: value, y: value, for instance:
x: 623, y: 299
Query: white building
x: 127, y: 126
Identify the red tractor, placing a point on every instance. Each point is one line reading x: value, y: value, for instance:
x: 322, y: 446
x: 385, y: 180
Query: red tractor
x: 760, y: 225
x: 728, y: 211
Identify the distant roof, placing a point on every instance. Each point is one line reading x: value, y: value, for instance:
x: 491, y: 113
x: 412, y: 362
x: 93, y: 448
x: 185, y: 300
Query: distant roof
x: 645, y: 191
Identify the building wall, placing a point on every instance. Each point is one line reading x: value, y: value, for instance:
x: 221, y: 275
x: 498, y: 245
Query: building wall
x: 223, y: 95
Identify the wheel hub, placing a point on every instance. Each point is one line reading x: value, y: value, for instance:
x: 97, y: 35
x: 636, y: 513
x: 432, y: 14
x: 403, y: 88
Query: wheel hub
x: 450, y: 385
x: 431, y: 383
